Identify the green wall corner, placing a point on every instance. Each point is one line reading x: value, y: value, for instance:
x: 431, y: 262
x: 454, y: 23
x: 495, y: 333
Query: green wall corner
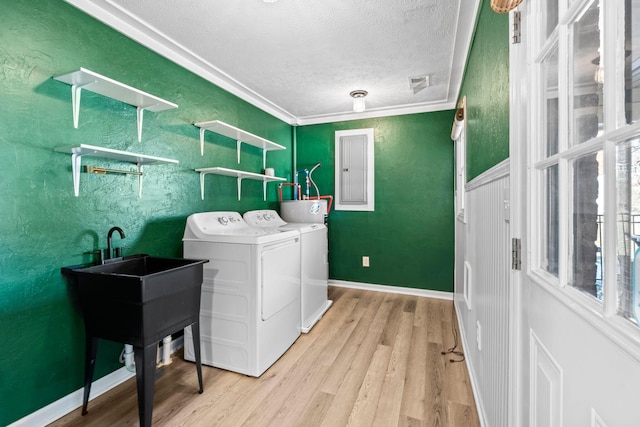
x: 44, y: 227
x: 486, y: 86
x: 409, y: 236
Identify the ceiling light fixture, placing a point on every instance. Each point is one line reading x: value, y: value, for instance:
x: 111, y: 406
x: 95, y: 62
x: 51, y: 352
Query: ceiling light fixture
x: 269, y: 1
x: 358, y: 100
x: 504, y: 6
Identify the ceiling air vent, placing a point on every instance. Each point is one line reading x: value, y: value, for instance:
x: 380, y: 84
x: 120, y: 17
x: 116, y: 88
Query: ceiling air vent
x: 418, y: 83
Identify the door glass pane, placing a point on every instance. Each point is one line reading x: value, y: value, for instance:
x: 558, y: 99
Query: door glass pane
x: 632, y: 60
x: 587, y: 77
x: 550, y: 76
x: 552, y: 15
x: 628, y: 229
x: 587, y: 230
x: 550, y: 248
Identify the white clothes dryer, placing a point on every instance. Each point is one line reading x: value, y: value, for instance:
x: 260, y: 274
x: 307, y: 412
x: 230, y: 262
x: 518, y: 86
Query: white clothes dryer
x: 250, y: 305
x: 314, y: 266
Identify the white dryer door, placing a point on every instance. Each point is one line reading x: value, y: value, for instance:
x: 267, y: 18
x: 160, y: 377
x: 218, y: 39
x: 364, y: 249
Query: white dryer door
x: 280, y: 276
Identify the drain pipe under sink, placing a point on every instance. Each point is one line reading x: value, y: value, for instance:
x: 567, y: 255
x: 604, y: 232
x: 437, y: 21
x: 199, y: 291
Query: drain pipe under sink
x: 127, y: 356
x: 129, y: 362
x: 166, y: 350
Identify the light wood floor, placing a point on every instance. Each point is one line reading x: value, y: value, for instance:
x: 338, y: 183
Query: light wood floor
x: 373, y: 359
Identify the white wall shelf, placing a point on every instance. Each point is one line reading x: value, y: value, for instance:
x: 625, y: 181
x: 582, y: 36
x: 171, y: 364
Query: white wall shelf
x: 94, y: 82
x: 240, y: 136
x: 240, y: 175
x: 83, y: 150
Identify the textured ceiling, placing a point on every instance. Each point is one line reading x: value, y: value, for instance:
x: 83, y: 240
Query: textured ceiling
x: 299, y: 59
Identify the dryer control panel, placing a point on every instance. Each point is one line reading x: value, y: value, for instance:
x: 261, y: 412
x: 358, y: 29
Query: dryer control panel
x: 218, y: 223
x: 266, y: 218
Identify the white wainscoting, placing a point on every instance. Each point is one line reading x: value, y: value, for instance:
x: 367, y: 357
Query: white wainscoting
x: 483, y: 262
x: 546, y: 386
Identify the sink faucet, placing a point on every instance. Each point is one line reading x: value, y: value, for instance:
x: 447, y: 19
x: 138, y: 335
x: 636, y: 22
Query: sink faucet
x: 109, y: 236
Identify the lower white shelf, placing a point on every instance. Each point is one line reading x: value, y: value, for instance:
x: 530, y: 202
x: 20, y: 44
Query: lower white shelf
x: 240, y: 175
x: 84, y: 150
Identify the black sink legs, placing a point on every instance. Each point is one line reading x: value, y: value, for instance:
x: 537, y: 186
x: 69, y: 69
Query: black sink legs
x: 145, y: 379
x: 195, y: 331
x: 146, y: 375
x: 91, y: 349
x: 145, y: 358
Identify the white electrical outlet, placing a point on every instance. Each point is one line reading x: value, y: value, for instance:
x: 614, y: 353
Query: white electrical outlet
x: 365, y: 261
x: 479, y: 335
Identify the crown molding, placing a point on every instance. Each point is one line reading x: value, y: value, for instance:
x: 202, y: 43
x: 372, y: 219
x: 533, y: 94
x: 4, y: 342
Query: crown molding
x: 376, y: 113
x: 123, y: 22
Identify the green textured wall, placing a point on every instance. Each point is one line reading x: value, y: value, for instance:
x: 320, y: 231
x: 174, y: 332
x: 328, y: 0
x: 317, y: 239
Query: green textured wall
x: 409, y: 236
x: 45, y: 227
x: 486, y: 86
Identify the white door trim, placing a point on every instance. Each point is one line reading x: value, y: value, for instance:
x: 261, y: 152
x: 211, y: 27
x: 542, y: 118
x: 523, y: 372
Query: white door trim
x: 518, y: 107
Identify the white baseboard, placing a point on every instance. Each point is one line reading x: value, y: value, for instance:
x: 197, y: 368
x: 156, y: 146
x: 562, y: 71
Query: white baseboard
x: 73, y: 401
x: 392, y: 289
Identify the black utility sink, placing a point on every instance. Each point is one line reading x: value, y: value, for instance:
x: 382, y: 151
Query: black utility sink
x: 137, y: 300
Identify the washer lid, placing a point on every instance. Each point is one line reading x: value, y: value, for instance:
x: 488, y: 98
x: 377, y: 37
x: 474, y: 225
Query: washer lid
x: 229, y: 227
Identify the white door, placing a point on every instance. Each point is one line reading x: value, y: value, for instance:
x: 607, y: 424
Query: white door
x: 575, y: 158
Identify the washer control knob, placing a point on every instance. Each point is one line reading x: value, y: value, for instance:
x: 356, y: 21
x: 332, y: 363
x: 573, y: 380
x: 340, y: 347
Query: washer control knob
x: 223, y: 220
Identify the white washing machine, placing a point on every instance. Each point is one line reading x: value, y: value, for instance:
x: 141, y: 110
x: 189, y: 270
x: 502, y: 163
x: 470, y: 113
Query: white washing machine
x: 250, y: 305
x: 314, y: 267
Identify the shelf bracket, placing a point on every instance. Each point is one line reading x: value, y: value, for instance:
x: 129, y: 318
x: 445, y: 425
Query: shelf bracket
x: 239, y: 188
x: 202, y: 174
x: 202, y: 143
x: 76, y: 91
x: 139, y: 115
x: 238, y: 147
x: 264, y: 190
x: 76, y: 162
x: 139, y: 180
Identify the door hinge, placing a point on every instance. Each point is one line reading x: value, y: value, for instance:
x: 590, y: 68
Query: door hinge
x: 516, y: 254
x: 517, y: 25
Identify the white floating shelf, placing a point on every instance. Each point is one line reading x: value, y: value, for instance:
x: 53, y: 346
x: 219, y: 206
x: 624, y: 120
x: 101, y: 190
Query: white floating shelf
x: 94, y: 82
x: 240, y: 175
x: 239, y: 135
x: 79, y: 151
